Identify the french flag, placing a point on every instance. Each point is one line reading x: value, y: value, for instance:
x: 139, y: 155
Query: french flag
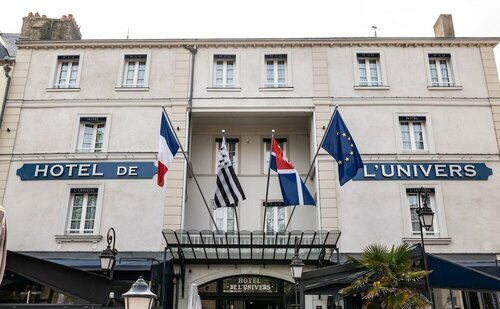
x: 167, y: 149
x: 293, y: 188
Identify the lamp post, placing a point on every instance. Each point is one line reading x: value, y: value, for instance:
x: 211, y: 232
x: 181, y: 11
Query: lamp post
x: 425, y: 218
x: 296, y: 267
x: 107, y: 256
x: 139, y: 296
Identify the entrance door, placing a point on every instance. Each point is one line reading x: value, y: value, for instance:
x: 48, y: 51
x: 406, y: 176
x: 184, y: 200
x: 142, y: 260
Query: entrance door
x: 248, y: 304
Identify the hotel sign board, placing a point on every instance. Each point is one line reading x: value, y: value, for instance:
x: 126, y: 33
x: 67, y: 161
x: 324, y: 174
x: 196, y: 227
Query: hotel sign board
x: 423, y: 171
x: 87, y: 170
x: 250, y: 284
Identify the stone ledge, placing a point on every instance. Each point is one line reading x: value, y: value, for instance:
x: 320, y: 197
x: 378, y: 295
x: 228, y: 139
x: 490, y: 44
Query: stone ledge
x: 78, y: 238
x: 428, y: 241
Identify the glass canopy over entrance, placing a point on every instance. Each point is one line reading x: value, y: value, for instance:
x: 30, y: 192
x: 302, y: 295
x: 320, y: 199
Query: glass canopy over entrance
x: 246, y: 247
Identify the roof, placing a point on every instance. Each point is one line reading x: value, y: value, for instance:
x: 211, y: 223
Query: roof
x: 8, y: 45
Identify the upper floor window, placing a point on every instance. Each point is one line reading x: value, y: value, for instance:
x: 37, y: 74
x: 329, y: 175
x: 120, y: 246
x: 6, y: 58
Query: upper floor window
x: 440, y: 70
x: 276, y: 219
x: 276, y: 70
x: 82, y: 212
x: 225, y: 218
x: 427, y: 196
x: 91, y: 134
x: 232, y: 148
x: 267, y: 147
x: 413, y: 132
x: 67, y: 71
x: 134, y: 72
x: 224, y: 70
x: 369, y: 69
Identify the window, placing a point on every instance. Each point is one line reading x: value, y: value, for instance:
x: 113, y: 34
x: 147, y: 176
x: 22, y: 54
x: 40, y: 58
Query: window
x: 225, y: 218
x: 369, y: 69
x: 91, y: 134
x: 413, y: 132
x: 134, y: 72
x: 267, y: 147
x: 412, y: 196
x: 276, y: 70
x: 67, y: 71
x: 232, y: 149
x: 224, y: 71
x: 82, y: 214
x: 276, y: 218
x: 440, y: 70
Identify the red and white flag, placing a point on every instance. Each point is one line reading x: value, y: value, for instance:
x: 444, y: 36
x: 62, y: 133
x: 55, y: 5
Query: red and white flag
x: 167, y: 149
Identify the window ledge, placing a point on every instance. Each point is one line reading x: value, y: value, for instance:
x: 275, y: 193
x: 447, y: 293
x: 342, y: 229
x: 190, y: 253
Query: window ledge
x: 131, y: 88
x: 224, y: 89
x: 371, y: 87
x: 428, y: 241
x: 62, y: 89
x: 290, y: 88
x: 414, y: 151
x: 444, y: 87
x: 78, y: 238
x: 87, y: 155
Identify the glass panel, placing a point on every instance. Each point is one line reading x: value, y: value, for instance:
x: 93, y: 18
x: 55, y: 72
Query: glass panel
x: 219, y: 69
x: 63, y: 74
x: 129, y: 80
x: 208, y: 304
x: 418, y: 135
x: 490, y: 301
x: 373, y: 72
x: 413, y: 201
x: 444, y: 73
x: 473, y: 300
x: 210, y: 287
x: 270, y: 219
x: 434, y: 74
x: 405, y: 134
x: 230, y: 73
x: 281, y: 73
x: 281, y: 219
x: 74, y: 73
x: 362, y: 72
x: 270, y: 72
x: 99, y: 136
x: 141, y: 73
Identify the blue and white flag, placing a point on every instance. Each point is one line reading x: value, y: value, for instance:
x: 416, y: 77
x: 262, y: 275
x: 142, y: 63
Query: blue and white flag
x: 340, y: 145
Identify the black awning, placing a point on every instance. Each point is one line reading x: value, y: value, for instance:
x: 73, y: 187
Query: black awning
x: 330, y: 280
x: 451, y: 275
x: 245, y: 247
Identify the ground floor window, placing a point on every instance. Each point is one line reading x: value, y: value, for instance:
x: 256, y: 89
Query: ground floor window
x: 456, y: 299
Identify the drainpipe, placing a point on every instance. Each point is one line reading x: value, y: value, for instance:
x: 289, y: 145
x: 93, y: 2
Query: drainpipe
x: 193, y: 51
x: 6, y: 69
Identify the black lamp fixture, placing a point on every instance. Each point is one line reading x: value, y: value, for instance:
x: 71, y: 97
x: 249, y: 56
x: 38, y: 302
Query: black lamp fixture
x: 426, y: 217
x: 108, y: 255
x: 296, y: 268
x: 139, y: 296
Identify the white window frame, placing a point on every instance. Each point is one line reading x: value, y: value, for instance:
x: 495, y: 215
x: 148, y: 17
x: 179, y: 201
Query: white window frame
x: 288, y: 70
x: 367, y: 55
x: 266, y: 155
x: 411, y: 130
x: 121, y: 80
x: 276, y: 217
x: 79, y: 129
x: 366, y: 60
x: 225, y: 58
x: 428, y: 135
x: 54, y: 84
x: 440, y: 233
x: 235, y: 159
x: 453, y: 73
x: 223, y: 214
x: 69, y: 209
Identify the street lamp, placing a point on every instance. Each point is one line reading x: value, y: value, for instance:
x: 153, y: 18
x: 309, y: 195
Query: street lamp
x: 296, y: 267
x: 425, y: 218
x: 139, y: 296
x: 107, y: 256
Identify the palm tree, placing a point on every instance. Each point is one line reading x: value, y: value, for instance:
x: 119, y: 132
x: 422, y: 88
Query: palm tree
x: 385, y: 284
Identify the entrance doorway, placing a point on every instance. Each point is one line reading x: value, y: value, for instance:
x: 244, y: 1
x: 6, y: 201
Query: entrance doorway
x: 248, y: 304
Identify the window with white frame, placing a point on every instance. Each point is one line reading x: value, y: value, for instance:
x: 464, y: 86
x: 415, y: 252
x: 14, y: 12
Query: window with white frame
x: 224, y: 71
x: 267, y: 147
x: 369, y: 69
x: 276, y: 217
x: 225, y: 218
x: 91, y: 134
x: 428, y: 196
x: 67, y: 71
x: 82, y: 212
x: 232, y: 149
x: 276, y: 70
x: 134, y: 71
x: 413, y: 132
x: 440, y: 70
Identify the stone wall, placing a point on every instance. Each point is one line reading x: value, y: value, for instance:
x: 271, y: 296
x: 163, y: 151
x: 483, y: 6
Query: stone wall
x: 38, y: 27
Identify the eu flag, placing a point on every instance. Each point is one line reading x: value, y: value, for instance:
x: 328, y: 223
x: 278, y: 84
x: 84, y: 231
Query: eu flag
x: 339, y: 143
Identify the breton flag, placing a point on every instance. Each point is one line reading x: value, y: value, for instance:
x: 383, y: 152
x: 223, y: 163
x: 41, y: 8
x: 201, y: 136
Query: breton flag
x: 340, y: 145
x: 229, y: 191
x: 167, y: 149
x: 293, y: 189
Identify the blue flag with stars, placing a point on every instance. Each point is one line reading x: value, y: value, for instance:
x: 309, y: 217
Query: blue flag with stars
x: 339, y: 143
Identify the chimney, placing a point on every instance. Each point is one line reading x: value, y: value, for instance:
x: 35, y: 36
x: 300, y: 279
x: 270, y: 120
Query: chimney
x: 443, y: 27
x: 38, y: 27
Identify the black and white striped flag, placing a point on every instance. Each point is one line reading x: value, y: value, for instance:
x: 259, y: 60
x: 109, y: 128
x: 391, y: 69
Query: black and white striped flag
x: 228, y: 192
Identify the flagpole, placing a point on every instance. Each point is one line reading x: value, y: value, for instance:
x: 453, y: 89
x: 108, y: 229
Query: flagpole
x: 268, y: 174
x: 192, y: 170
x: 312, y: 163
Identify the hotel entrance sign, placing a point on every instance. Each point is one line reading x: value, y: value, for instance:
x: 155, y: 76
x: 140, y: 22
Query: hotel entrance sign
x: 250, y: 284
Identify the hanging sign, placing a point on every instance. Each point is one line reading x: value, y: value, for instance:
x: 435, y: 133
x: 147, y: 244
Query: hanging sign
x: 424, y: 171
x: 87, y: 170
x: 250, y: 284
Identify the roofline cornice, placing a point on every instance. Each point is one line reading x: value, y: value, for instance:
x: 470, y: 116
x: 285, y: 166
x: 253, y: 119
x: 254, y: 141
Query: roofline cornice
x: 269, y: 42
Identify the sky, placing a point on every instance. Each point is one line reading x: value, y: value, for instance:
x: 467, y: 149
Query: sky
x: 159, y: 19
